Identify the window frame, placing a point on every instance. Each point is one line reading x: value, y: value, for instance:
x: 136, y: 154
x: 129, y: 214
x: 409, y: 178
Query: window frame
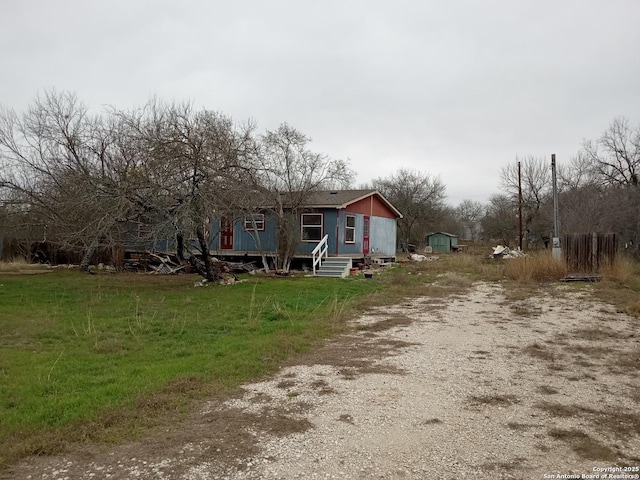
x: 304, y: 226
x: 248, y: 224
x: 348, y: 229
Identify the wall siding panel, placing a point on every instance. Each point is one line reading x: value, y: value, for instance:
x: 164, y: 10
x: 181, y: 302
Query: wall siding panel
x: 383, y: 236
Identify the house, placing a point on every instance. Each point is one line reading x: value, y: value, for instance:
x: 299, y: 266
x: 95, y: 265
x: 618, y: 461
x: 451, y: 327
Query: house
x: 442, y: 242
x: 356, y: 224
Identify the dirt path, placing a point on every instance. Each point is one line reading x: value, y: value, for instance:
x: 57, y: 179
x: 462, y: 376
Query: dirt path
x: 476, y: 387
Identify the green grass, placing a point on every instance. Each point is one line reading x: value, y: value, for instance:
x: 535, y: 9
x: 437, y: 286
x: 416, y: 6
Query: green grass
x: 102, y: 358
x: 97, y: 357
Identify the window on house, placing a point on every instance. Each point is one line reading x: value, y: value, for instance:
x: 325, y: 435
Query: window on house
x: 311, y: 227
x: 350, y: 229
x: 258, y: 219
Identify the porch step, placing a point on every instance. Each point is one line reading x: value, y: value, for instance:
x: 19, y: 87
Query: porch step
x: 337, y: 267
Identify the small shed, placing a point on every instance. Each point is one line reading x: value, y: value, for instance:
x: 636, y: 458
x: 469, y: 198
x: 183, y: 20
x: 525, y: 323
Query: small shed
x: 442, y: 242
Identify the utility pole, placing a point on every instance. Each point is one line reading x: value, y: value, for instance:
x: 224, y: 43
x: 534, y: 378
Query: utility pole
x: 556, y: 249
x: 519, y: 206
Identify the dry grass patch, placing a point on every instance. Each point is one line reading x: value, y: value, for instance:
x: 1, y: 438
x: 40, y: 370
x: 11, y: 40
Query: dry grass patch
x: 627, y: 362
x: 353, y: 355
x: 560, y: 410
x: 536, y: 350
x: 536, y: 267
x: 323, y: 387
x: 281, y: 425
x: 493, y: 400
x: 520, y: 426
x: 395, y: 320
x: 492, y: 272
x: 620, y: 271
x: 346, y: 418
x: 621, y: 286
x: 479, y: 355
x: 583, y: 445
x: 526, y: 310
x: 284, y: 384
x: 431, y: 421
x: 547, y: 390
x: 522, y: 292
x: 464, y: 262
x: 619, y: 423
x: 20, y: 265
x: 594, y: 334
x: 513, y: 464
x: 14, y: 265
x: 589, y: 351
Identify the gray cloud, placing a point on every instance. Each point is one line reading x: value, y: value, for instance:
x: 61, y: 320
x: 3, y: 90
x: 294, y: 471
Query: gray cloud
x: 456, y: 89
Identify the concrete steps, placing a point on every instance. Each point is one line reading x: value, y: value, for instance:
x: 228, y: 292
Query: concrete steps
x: 337, y: 267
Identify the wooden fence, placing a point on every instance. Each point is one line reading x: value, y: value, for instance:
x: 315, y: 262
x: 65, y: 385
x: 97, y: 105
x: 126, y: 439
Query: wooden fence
x: 587, y: 253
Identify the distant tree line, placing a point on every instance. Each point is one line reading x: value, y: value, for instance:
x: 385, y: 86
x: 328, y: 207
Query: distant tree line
x: 87, y: 179
x: 598, y: 191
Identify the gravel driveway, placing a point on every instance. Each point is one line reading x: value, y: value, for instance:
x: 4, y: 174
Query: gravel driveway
x: 469, y: 387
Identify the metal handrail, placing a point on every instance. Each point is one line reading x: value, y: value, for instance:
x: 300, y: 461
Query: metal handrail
x: 321, y: 250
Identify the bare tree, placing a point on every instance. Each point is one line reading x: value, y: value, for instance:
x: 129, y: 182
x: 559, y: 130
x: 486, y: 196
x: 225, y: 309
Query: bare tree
x: 191, y: 165
x: 420, y: 198
x: 600, y: 191
x: 287, y: 173
x: 578, y: 173
x: 500, y: 221
x: 615, y: 157
x: 55, y: 158
x: 536, y: 194
x: 88, y: 178
x: 448, y: 221
x: 469, y: 214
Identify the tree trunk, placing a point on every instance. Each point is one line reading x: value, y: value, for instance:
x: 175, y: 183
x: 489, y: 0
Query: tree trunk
x: 265, y: 262
x: 204, y: 266
x: 283, y: 246
x: 258, y: 243
x: 180, y: 245
x: 87, y: 256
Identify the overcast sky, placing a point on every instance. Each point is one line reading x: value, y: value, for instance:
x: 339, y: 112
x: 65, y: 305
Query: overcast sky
x: 456, y: 89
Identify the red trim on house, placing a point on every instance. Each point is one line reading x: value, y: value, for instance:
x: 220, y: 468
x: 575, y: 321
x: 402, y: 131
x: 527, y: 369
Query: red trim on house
x: 371, y: 205
x: 226, y: 233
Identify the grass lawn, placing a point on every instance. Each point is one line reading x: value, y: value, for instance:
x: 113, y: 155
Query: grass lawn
x: 98, y: 357
x: 102, y: 358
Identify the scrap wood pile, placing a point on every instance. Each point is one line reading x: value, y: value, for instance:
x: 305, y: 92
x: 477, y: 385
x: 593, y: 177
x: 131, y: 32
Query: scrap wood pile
x: 164, y: 263
x: 154, y: 262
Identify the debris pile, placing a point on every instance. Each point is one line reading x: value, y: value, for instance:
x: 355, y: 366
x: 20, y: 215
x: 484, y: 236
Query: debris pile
x: 154, y: 262
x: 164, y: 263
x: 422, y: 258
x: 505, y: 252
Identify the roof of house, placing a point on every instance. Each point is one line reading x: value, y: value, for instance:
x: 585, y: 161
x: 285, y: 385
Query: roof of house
x: 342, y: 198
x: 441, y: 233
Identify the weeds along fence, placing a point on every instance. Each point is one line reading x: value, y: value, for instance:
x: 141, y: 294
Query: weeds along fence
x: 46, y: 252
x: 588, y: 253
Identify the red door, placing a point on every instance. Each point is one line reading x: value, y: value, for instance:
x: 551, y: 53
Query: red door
x: 226, y: 233
x: 365, y: 235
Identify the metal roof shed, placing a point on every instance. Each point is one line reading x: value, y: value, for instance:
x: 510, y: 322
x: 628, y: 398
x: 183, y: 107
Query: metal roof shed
x: 442, y: 241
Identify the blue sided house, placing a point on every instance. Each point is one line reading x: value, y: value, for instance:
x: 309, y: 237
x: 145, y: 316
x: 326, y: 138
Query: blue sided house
x: 344, y: 224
